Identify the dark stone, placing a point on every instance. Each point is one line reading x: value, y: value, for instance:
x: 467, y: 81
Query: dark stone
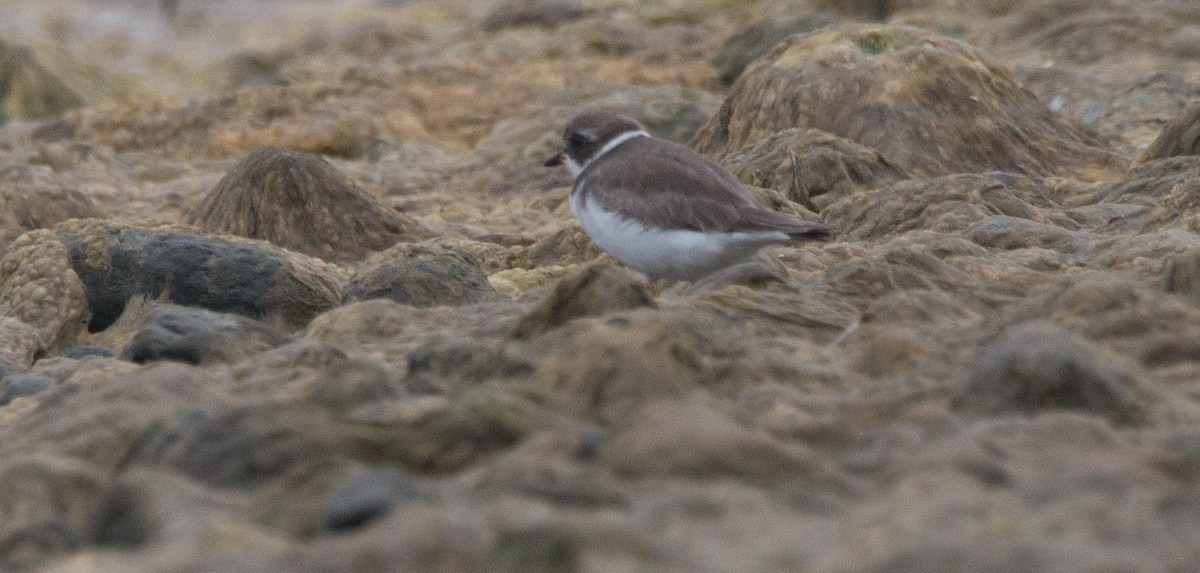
x: 539, y: 13
x: 1040, y: 366
x: 367, y: 498
x: 594, y: 291
x: 198, y: 336
x: 747, y: 45
x: 24, y: 385
x: 90, y: 350
x: 250, y: 279
x: 421, y: 275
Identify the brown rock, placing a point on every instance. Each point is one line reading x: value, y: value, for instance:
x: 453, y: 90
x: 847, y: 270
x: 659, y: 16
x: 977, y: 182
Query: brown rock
x: 39, y: 287
x: 811, y: 167
x: 595, y: 291
x: 1038, y: 366
x: 19, y: 345
x: 567, y: 246
x: 915, y: 97
x: 946, y: 204
x: 30, y: 198
x: 605, y: 370
x: 691, y: 438
x: 1180, y: 136
x: 301, y: 202
x: 421, y: 275
x: 47, y: 508
x: 44, y: 80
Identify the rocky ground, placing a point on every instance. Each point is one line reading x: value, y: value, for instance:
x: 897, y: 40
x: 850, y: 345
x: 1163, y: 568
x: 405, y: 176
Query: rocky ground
x: 284, y: 286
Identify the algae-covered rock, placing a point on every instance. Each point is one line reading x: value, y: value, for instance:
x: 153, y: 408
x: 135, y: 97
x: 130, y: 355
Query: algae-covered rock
x: 302, y: 203
x: 931, y: 105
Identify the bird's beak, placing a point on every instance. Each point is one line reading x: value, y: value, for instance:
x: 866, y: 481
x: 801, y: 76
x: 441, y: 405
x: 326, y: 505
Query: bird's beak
x: 554, y: 160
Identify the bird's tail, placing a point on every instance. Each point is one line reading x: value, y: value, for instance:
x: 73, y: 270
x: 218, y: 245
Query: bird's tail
x: 810, y: 232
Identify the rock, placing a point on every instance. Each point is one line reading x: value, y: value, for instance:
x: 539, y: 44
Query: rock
x: 883, y: 87
x: 242, y: 447
x: 1180, y: 136
x: 1007, y: 232
x: 367, y: 321
x: 89, y: 350
x: 945, y: 204
x: 351, y: 383
x: 20, y: 345
x: 690, y: 438
x: 442, y: 365
x: 151, y: 507
x: 569, y: 245
x: 343, y: 120
x: 31, y: 198
x: 751, y: 43
x: 516, y: 282
x: 366, y: 498
x: 42, y: 80
x: 198, y: 336
x: 47, y: 507
x: 117, y: 262
x: 811, y: 167
x: 303, y: 203
x: 39, y: 287
x: 594, y: 291
x: 1040, y: 366
x: 23, y: 385
x: 539, y: 13
x: 606, y: 369
x: 1182, y: 275
x: 421, y: 275
x: 540, y: 549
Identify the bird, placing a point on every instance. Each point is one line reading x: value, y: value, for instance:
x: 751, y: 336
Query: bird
x: 661, y: 208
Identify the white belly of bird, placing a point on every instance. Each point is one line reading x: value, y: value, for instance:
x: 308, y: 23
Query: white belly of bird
x: 675, y: 253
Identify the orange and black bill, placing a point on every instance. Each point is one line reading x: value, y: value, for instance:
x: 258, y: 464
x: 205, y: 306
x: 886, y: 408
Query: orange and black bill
x: 554, y: 160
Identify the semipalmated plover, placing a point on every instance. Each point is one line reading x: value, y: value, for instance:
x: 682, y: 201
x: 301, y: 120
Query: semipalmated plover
x: 661, y: 208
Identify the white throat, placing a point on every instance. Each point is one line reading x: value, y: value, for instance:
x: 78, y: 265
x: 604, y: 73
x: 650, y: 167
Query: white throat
x: 576, y: 168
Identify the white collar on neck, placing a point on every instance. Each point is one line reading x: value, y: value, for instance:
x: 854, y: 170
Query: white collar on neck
x: 576, y: 168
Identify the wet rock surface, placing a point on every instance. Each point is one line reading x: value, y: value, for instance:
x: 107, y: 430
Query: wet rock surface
x: 304, y: 297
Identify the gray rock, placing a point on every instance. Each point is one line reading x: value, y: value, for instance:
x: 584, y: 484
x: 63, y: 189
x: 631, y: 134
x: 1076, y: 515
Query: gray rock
x: 90, y: 350
x: 198, y: 336
x: 23, y: 385
x: 366, y: 498
x: 117, y: 262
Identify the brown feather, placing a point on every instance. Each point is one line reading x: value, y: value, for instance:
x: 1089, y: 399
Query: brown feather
x: 668, y: 185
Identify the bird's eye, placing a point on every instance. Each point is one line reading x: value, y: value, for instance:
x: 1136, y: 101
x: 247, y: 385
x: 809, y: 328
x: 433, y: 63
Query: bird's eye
x: 578, y: 139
